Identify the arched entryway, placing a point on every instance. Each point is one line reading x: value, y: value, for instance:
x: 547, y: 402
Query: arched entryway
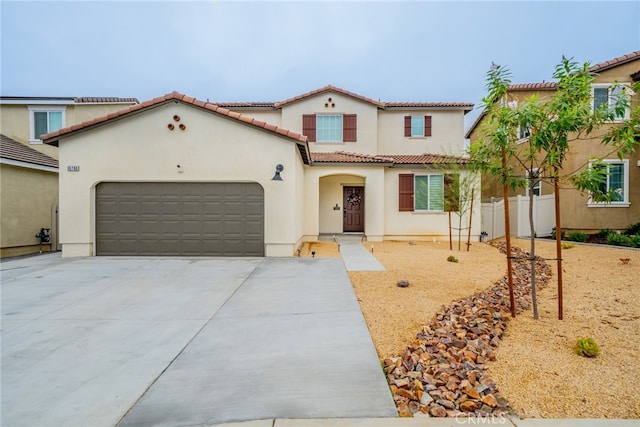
x: 342, y: 204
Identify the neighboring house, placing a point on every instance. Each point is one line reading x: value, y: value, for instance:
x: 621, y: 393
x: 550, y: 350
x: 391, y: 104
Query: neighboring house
x: 577, y: 210
x: 175, y: 175
x: 29, y: 169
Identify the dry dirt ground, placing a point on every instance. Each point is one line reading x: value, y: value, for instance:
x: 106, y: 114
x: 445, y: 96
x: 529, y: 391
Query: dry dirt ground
x: 536, y: 369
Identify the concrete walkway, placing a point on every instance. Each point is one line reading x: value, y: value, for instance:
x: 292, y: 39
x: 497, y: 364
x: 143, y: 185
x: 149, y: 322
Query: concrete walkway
x: 355, y: 256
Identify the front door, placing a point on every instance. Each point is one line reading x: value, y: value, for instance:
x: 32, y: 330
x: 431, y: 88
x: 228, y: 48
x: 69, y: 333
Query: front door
x: 353, y: 209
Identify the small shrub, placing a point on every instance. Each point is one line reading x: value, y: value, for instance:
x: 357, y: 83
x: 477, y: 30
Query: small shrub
x: 586, y: 347
x: 618, y: 240
x: 578, y: 236
x: 567, y: 245
x: 633, y: 229
x: 605, y: 232
x: 451, y: 258
x: 635, y: 241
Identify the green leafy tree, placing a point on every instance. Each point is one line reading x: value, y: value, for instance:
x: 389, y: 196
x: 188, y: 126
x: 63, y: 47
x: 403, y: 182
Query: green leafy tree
x: 552, y: 124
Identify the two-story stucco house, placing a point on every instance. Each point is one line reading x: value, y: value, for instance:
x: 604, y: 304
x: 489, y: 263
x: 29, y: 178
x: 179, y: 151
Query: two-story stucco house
x: 29, y: 168
x: 179, y: 176
x: 577, y: 210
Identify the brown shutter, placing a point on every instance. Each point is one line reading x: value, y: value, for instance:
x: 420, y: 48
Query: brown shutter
x: 452, y: 192
x: 309, y: 126
x: 349, y: 128
x: 405, y: 194
x: 407, y: 125
x: 427, y: 125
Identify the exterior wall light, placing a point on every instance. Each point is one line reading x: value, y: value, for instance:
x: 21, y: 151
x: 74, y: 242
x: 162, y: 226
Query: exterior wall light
x: 277, y: 177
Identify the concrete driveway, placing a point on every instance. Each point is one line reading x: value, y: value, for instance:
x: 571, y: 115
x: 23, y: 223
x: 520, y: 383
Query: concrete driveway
x: 184, y: 342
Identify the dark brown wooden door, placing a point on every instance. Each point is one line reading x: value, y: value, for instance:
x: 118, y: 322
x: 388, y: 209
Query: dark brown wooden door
x: 353, y: 209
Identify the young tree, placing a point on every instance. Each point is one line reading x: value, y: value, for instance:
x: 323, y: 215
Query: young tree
x: 552, y: 124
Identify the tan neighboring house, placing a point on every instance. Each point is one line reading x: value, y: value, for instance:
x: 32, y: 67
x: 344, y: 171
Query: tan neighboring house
x: 577, y: 210
x: 179, y: 176
x: 29, y: 168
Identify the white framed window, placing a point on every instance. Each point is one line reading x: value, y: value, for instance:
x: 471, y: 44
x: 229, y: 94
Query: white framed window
x: 328, y: 128
x: 429, y: 192
x: 606, y: 94
x: 617, y: 182
x: 43, y: 120
x: 417, y: 126
x: 524, y: 131
x: 537, y: 185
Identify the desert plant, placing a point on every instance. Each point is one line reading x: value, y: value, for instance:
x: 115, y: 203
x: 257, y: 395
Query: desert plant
x: 567, y: 245
x: 618, y: 240
x: 633, y: 229
x: 451, y: 258
x: 604, y: 232
x: 577, y: 236
x: 586, y: 347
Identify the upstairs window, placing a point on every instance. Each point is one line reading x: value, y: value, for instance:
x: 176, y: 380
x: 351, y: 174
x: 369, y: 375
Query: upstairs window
x: 43, y: 121
x: 417, y: 126
x: 524, y: 131
x: 606, y: 95
x: 330, y: 128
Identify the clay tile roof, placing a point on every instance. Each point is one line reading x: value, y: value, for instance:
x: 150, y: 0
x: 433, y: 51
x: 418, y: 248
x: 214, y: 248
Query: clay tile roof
x: 426, y: 159
x: 465, y: 105
x: 533, y: 86
x: 245, y: 104
x: 344, y: 157
x: 329, y: 88
x: 52, y: 138
x: 102, y: 99
x: 616, y: 61
x: 13, y: 150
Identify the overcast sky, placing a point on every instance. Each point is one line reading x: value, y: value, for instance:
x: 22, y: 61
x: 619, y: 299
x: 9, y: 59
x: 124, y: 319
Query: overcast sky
x: 272, y: 50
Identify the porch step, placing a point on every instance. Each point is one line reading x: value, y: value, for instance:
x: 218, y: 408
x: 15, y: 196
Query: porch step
x: 342, y: 237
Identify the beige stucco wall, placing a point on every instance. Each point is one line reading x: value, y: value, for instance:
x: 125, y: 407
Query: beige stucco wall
x: 447, y: 130
x: 422, y: 225
x: 212, y: 148
x: 27, y: 203
x: 366, y: 120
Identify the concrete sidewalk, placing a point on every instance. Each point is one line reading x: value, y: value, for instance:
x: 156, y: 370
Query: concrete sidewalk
x: 434, y: 422
x: 355, y: 256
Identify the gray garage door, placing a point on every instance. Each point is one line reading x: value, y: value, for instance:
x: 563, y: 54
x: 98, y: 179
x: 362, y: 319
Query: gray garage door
x: 170, y: 218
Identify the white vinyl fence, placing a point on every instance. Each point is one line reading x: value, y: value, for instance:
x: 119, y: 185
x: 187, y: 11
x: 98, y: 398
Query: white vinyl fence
x: 543, y: 216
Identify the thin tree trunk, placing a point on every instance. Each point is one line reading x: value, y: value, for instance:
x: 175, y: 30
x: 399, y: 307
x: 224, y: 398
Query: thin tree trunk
x: 507, y: 227
x: 556, y: 188
x: 450, y: 238
x: 534, y: 298
x: 470, y: 218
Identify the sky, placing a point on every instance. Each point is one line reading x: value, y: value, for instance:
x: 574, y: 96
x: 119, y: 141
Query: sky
x: 429, y: 51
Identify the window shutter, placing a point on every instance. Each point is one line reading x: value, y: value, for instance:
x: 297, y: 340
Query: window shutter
x: 452, y: 192
x: 405, y: 194
x: 309, y: 126
x: 407, y: 126
x: 427, y: 125
x: 349, y: 128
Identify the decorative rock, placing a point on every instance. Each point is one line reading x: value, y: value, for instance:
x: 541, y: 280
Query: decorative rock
x: 446, y: 403
x: 469, y: 406
x: 490, y: 400
x: 403, y: 283
x: 438, y: 411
